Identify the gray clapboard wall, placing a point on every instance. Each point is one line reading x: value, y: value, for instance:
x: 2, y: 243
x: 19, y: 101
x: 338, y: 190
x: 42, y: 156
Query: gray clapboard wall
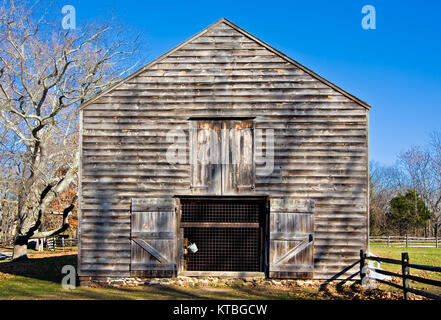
x: 320, y: 146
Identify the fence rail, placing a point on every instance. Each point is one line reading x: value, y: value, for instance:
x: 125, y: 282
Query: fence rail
x: 49, y: 243
x: 404, y: 275
x: 53, y: 243
x: 404, y: 241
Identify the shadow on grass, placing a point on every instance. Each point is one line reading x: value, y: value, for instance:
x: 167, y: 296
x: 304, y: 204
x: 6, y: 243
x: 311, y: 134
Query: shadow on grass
x: 48, y: 269
x: 3, y: 257
x: 155, y: 292
x: 45, y: 268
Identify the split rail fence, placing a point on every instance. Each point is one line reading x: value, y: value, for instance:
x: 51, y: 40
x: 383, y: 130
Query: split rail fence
x: 53, y: 243
x: 404, y: 241
x: 406, y: 277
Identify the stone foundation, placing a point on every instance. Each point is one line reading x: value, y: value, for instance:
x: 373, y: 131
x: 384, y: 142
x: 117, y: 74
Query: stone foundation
x: 194, y: 282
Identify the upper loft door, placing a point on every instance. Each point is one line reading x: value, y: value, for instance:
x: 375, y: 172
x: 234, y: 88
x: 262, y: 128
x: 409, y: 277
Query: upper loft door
x: 222, y: 156
x: 205, y: 154
x: 237, y: 156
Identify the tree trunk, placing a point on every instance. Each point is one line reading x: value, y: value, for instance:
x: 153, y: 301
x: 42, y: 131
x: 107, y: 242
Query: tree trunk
x: 20, y: 248
x: 21, y: 242
x: 29, y: 225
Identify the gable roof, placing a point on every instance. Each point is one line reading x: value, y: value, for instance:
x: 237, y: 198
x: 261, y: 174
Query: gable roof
x: 246, y: 34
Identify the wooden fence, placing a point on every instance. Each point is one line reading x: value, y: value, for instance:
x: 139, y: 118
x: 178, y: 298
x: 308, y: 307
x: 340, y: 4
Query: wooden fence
x: 405, y: 275
x: 53, y: 243
x: 404, y: 241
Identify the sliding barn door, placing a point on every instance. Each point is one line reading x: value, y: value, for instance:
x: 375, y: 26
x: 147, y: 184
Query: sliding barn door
x: 153, y: 244
x: 291, y: 239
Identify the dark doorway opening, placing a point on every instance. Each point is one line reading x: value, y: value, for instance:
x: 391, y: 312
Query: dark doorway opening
x: 229, y: 233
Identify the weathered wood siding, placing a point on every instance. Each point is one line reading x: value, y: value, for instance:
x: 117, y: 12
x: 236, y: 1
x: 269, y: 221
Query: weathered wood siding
x: 320, y: 145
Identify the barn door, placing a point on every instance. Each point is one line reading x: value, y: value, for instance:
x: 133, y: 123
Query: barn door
x: 237, y: 156
x: 205, y: 157
x: 291, y: 239
x: 153, y: 230
x: 222, y: 156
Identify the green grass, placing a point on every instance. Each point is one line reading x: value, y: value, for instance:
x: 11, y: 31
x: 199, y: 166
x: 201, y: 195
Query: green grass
x: 40, y: 278
x: 26, y: 288
x: 426, y: 256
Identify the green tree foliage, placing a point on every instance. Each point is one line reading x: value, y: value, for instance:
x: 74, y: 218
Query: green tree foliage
x: 408, y: 212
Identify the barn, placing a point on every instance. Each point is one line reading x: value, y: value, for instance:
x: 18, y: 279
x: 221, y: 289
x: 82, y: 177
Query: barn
x: 223, y: 157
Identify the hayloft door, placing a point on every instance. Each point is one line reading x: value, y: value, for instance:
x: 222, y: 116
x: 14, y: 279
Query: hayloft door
x: 205, y: 157
x: 237, y: 156
x: 222, y: 156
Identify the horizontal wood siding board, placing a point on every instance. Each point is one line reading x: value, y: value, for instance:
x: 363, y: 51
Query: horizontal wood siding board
x: 153, y: 273
x: 320, y: 147
x: 103, y: 273
x: 290, y: 275
x: 139, y: 266
x: 153, y: 235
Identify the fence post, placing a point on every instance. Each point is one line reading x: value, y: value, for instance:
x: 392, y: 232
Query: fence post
x: 363, y: 269
x: 407, y: 241
x: 388, y: 241
x: 405, y: 272
x: 436, y: 241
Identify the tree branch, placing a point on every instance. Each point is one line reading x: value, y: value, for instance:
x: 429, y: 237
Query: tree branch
x: 64, y: 226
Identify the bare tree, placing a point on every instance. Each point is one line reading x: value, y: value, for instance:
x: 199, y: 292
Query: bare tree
x: 45, y: 73
x: 8, y: 204
x: 435, y: 144
x: 385, y: 183
x: 423, y: 167
x: 8, y: 188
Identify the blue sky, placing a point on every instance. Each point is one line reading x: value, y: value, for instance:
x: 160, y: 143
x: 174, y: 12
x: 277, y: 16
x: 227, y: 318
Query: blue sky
x: 396, y: 68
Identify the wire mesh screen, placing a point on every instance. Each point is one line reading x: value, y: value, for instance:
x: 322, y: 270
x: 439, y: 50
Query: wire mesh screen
x: 224, y: 249
x: 222, y: 211
x: 227, y: 244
